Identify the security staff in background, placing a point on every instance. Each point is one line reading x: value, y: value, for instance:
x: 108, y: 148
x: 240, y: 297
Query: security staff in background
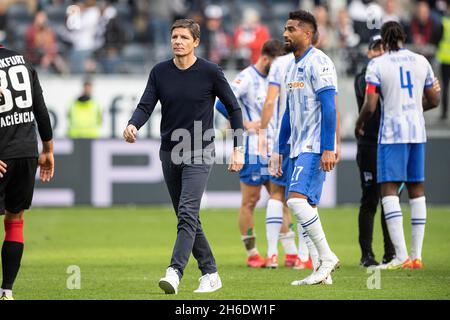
x: 85, y: 115
x: 367, y: 164
x: 443, y: 56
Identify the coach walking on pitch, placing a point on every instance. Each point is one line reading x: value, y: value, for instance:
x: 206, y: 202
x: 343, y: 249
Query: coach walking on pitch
x: 187, y: 87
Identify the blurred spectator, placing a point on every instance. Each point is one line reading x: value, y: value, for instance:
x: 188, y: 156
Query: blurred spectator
x: 366, y: 16
x: 30, y: 4
x: 82, y: 21
x: 346, y: 33
x: 443, y: 56
x: 161, y: 18
x: 215, y: 39
x: 326, y: 39
x: 3, y: 23
x: 390, y: 12
x: 85, y: 115
x: 41, y: 46
x: 249, y: 38
x: 348, y: 41
x: 424, y: 31
x: 110, y: 39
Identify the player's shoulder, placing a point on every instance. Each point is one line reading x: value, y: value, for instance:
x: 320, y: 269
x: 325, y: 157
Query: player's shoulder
x: 284, y: 59
x: 421, y: 59
x: 16, y: 57
x: 318, y: 57
x: 245, y: 74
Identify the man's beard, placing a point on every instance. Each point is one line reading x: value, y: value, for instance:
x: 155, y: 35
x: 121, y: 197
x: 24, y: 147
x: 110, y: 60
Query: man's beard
x: 290, y: 47
x: 267, y: 69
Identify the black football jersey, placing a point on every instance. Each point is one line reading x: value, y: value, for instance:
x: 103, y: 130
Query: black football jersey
x: 22, y: 106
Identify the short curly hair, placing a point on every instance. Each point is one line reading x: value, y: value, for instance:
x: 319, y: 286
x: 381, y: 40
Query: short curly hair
x: 303, y: 16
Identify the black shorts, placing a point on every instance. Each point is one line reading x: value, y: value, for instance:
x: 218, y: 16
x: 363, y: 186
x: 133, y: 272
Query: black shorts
x: 17, y: 185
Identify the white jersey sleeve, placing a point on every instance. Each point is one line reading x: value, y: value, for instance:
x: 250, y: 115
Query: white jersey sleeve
x: 241, y: 84
x: 430, y: 74
x: 372, y: 73
x: 323, y: 74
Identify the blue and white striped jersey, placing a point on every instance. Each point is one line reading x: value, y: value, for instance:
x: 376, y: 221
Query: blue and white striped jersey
x: 306, y: 77
x: 277, y: 76
x: 401, y: 75
x: 250, y: 88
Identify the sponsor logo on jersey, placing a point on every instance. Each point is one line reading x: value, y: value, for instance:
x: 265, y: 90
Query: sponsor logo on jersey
x: 295, y: 85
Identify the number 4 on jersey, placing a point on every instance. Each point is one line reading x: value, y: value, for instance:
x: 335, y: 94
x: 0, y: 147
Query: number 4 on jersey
x: 408, y: 85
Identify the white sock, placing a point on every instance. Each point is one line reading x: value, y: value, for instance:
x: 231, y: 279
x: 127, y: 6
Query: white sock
x: 308, y: 217
x: 418, y: 220
x: 288, y: 242
x: 312, y: 252
x: 274, y: 220
x: 7, y: 293
x: 303, y: 252
x: 394, y: 221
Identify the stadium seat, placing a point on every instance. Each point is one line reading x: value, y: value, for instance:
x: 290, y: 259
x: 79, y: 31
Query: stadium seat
x: 19, y: 12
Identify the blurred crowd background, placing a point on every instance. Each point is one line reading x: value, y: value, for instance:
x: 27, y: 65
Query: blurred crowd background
x: 71, y: 37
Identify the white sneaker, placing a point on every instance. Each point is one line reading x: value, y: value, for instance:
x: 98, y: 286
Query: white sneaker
x: 209, y: 283
x: 170, y: 282
x: 322, y: 274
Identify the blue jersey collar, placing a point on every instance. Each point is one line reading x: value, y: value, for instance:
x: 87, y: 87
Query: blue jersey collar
x: 259, y: 73
x: 297, y: 60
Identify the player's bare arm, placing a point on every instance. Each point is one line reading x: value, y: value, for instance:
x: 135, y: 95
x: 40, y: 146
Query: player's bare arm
x: 3, y: 167
x: 46, y: 161
x: 266, y: 115
x: 130, y: 134
x: 431, y: 96
x: 369, y: 107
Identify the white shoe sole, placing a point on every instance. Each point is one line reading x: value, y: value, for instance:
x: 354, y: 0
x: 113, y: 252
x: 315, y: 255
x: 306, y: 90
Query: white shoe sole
x: 212, y: 290
x: 167, y: 287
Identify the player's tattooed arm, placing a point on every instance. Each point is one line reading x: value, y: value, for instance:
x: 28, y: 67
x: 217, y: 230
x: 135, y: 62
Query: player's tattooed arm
x: 3, y: 167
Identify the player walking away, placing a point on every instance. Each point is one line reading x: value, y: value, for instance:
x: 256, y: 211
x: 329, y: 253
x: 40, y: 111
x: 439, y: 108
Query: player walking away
x: 250, y: 88
x: 277, y: 210
x: 405, y: 82
x: 187, y: 87
x: 367, y: 163
x: 310, y: 124
x: 21, y: 103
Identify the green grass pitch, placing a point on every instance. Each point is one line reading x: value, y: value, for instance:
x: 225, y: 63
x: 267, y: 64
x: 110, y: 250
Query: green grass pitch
x: 122, y: 252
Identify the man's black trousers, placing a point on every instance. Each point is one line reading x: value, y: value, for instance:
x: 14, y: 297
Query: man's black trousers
x: 367, y: 163
x: 186, y: 183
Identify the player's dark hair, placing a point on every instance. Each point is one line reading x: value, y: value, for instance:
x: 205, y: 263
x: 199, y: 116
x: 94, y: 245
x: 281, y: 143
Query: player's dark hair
x: 272, y: 48
x: 189, y: 24
x: 303, y: 16
x: 392, y: 33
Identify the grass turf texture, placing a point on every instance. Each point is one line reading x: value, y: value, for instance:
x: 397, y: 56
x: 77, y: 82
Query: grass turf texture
x: 122, y: 253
